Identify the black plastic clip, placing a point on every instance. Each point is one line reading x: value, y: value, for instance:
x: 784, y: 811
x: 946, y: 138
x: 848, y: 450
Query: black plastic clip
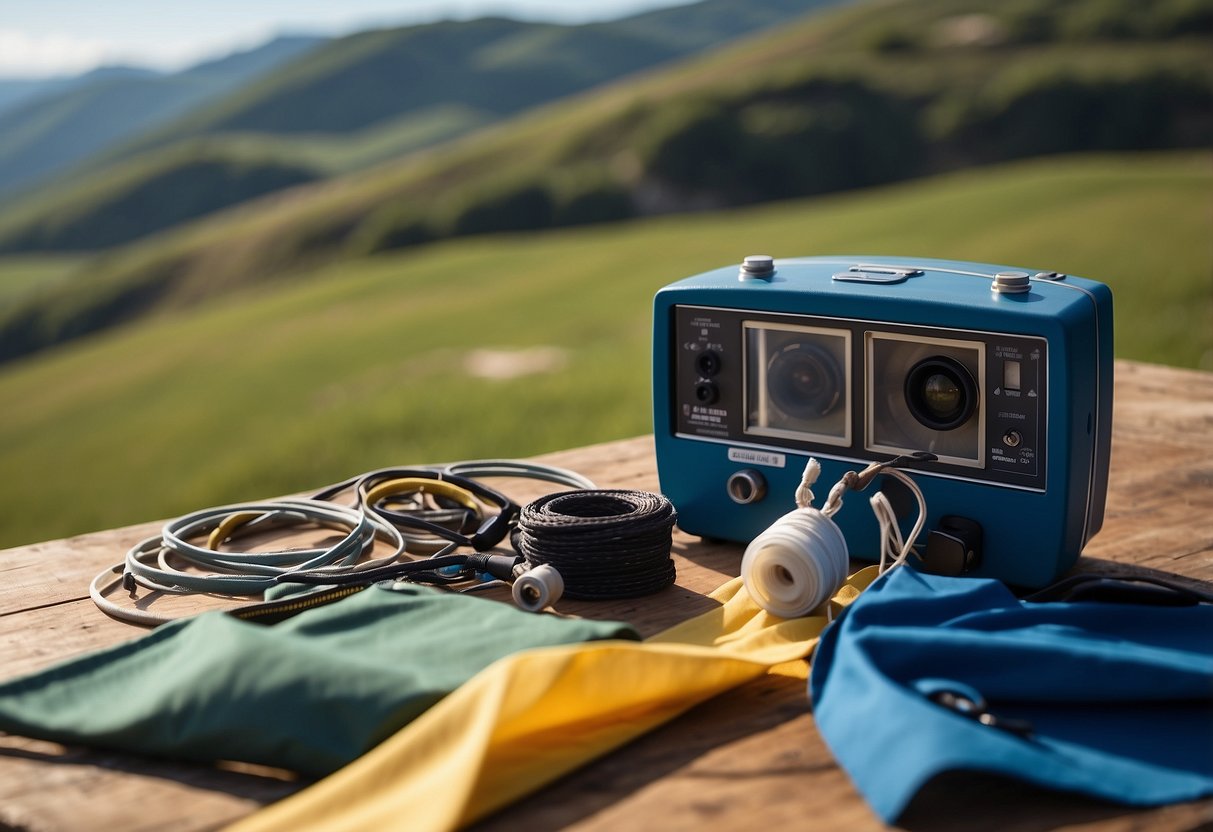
x: 979, y: 711
x: 953, y: 548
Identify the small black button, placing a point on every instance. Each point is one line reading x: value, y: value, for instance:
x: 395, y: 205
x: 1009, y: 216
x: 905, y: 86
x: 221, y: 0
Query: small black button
x: 708, y: 363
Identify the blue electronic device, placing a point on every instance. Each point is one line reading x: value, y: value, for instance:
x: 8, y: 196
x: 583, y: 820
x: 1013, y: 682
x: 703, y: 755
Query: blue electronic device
x: 1004, y: 374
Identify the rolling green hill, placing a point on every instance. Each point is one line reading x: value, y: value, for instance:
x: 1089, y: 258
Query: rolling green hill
x: 130, y: 200
x: 22, y: 275
x: 15, y: 92
x: 379, y: 360
x: 868, y: 94
x: 347, y: 104
x: 51, y: 133
x: 493, y: 66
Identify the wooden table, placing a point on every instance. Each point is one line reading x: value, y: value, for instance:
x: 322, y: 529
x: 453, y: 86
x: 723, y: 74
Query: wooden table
x: 750, y: 759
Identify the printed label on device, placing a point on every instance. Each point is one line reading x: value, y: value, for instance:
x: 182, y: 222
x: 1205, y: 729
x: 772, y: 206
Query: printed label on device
x: 753, y: 457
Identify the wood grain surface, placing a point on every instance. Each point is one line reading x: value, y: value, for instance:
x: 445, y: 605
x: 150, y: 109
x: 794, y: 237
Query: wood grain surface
x: 750, y: 759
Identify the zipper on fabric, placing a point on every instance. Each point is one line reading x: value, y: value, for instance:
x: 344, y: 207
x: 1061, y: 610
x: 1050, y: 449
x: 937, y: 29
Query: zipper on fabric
x: 291, y: 606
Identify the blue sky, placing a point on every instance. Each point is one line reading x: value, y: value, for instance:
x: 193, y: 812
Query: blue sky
x: 51, y: 37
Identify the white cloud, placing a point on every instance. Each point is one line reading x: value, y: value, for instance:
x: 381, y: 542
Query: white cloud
x: 23, y: 54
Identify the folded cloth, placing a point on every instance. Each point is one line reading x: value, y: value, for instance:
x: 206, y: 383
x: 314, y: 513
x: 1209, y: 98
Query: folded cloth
x: 309, y: 694
x: 924, y: 674
x: 536, y: 715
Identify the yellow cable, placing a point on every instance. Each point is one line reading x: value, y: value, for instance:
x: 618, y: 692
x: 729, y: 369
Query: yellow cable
x: 223, y: 532
x: 392, y: 488
x: 412, y: 485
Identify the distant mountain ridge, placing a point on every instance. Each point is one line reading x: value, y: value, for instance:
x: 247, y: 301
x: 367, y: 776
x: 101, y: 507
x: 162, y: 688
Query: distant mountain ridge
x: 85, y: 115
x: 497, y: 66
x: 351, y: 102
x: 15, y: 92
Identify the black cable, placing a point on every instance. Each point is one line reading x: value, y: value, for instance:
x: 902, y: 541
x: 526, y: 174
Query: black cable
x: 489, y: 534
x: 606, y: 544
x: 1121, y: 589
x: 426, y: 570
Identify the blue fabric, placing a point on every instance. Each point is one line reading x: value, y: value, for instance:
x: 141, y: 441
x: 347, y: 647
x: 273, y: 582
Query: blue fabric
x: 1119, y: 696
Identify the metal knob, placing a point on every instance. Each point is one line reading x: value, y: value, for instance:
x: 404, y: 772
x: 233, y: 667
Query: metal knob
x: 757, y: 267
x: 1011, y: 283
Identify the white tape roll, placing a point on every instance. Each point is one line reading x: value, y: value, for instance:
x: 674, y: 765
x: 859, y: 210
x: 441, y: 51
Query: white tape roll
x: 538, y: 588
x: 796, y: 564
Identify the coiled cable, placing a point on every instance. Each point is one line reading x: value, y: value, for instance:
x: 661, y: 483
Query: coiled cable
x: 390, y: 507
x: 399, y: 495
x: 609, y: 543
x: 163, y: 563
x: 520, y: 469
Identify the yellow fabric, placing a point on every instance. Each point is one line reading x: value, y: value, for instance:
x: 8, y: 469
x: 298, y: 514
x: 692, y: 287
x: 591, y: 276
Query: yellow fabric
x: 536, y: 715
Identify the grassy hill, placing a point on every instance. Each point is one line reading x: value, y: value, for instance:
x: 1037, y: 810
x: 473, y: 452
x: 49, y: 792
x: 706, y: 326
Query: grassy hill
x: 23, y: 275
x: 15, y: 92
x: 129, y: 200
x: 352, y: 102
x: 52, y: 132
x: 374, y: 361
x: 492, y: 65
x: 868, y: 94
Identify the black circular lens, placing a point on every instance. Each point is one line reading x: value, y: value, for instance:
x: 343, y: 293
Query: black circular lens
x: 804, y: 381
x: 941, y: 393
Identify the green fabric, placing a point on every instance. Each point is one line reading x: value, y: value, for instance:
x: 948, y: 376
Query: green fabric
x: 308, y: 694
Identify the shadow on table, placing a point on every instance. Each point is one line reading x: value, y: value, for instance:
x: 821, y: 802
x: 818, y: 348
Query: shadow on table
x: 680, y: 746
x: 962, y: 801
x: 261, y: 784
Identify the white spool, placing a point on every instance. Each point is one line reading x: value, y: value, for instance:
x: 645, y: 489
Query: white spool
x: 537, y: 588
x: 796, y: 564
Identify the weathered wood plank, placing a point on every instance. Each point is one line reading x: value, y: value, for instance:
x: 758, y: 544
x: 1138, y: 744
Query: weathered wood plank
x: 748, y: 759
x: 45, y: 786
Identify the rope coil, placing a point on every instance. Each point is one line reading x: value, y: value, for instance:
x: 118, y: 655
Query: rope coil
x: 801, y: 560
x: 795, y: 564
x: 609, y: 543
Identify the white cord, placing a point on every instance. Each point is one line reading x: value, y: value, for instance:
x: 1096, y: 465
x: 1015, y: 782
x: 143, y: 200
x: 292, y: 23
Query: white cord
x: 804, y: 491
x: 891, y: 543
x: 801, y: 560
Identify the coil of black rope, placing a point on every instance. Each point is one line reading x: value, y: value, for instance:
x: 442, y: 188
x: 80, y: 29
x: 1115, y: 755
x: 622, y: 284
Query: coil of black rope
x: 609, y: 543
